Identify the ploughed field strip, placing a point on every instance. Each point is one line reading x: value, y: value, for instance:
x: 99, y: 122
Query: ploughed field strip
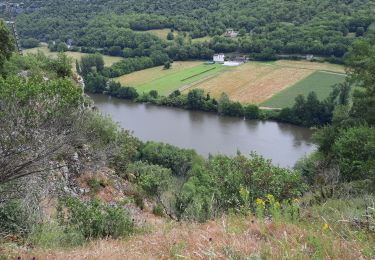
x: 320, y: 82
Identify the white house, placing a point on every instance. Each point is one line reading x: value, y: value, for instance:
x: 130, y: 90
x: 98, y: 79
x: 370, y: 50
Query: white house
x: 219, y: 58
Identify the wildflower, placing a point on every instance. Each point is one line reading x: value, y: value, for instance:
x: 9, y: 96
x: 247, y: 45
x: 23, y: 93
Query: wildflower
x: 260, y: 202
x: 270, y: 198
x: 325, y: 227
x: 296, y: 201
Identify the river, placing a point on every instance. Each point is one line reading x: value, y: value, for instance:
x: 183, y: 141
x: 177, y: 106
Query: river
x: 209, y: 133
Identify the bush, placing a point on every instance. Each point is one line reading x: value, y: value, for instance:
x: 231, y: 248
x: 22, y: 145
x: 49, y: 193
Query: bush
x: 158, y: 210
x: 29, y: 43
x: 152, y: 179
x: 178, y: 160
x: 251, y: 112
x: 354, y: 151
x: 14, y: 219
x: 52, y: 235
x: 96, y: 220
x: 218, y: 186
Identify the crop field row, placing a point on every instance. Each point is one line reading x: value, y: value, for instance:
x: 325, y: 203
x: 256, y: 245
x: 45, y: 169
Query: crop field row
x: 320, y: 82
x: 271, y: 84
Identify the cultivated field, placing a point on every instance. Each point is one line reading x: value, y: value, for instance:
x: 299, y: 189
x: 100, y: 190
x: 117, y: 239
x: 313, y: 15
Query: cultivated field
x: 108, y: 60
x: 142, y: 77
x: 256, y: 82
x: 252, y: 82
x: 320, y: 82
x: 166, y: 81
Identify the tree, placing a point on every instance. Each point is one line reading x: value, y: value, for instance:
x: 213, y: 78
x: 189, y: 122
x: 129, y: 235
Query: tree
x: 167, y: 65
x: 170, y: 36
x: 251, y: 112
x: 95, y: 83
x: 361, y: 61
x: 154, y: 93
x: 7, y: 44
x: 195, y: 99
x: 37, y: 119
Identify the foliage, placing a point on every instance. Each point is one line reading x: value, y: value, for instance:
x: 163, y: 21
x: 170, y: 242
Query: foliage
x: 14, y: 219
x: 229, y: 108
x: 216, y: 186
x: 37, y: 118
x: 39, y: 65
x: 362, y: 72
x: 95, y: 83
x: 96, y: 220
x: 7, y: 44
x: 152, y: 179
x: 29, y: 43
x: 354, y: 153
x: 52, y: 235
x: 180, y: 161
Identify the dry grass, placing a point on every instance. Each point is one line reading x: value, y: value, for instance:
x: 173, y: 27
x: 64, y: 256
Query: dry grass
x: 256, y: 82
x: 228, y: 237
x: 311, y: 65
x: 253, y: 82
x: 144, y: 76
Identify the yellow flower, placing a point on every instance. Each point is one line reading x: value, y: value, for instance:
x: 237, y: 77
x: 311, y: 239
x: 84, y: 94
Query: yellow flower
x: 270, y: 198
x: 325, y: 227
x: 296, y: 201
x: 260, y: 202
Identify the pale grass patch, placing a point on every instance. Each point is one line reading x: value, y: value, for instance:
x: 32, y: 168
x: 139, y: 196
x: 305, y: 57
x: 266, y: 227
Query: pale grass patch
x: 145, y: 76
x: 219, y: 239
x: 253, y: 82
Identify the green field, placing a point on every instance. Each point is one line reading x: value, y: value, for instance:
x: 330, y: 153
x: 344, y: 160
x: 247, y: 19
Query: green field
x: 108, y: 60
x: 319, y: 81
x: 168, y: 83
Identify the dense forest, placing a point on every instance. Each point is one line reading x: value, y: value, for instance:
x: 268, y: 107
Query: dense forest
x: 324, y: 28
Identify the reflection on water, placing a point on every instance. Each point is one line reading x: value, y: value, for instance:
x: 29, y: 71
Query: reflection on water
x: 208, y: 133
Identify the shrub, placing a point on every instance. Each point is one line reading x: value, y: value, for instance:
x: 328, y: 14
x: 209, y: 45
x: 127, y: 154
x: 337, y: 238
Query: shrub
x: 158, y: 210
x: 178, y: 160
x: 152, y: 179
x: 251, y: 112
x: 96, y: 220
x: 96, y: 184
x: 52, y: 235
x: 14, y: 219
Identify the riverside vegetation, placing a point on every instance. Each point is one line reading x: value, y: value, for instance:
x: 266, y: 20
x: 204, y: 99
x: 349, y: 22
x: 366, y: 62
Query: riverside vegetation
x: 70, y: 177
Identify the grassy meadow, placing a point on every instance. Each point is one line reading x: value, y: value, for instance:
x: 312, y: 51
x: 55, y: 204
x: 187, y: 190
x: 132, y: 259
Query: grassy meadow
x: 320, y: 82
x: 108, y: 60
x: 181, y: 74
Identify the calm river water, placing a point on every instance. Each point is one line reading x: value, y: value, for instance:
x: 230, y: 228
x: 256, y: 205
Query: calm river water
x: 209, y: 133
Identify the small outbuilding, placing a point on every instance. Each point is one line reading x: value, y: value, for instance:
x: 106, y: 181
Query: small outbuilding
x: 219, y: 58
